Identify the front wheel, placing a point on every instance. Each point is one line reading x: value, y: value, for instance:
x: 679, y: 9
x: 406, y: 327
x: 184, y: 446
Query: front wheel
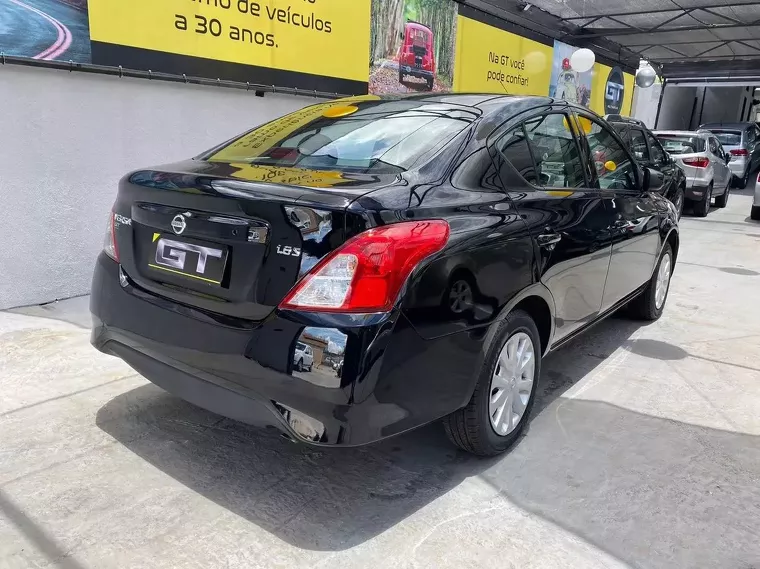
x: 650, y: 304
x: 755, y: 213
x: 503, y: 398
x: 678, y: 201
x: 299, y: 365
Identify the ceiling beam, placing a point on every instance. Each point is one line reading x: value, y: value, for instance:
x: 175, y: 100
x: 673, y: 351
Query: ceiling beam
x: 662, y: 11
x: 610, y: 32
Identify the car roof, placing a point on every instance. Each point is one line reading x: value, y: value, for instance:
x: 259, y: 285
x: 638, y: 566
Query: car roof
x: 736, y: 125
x: 682, y: 132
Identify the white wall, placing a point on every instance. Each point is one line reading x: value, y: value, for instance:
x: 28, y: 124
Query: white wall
x: 723, y: 104
x: 67, y: 138
x: 645, y: 103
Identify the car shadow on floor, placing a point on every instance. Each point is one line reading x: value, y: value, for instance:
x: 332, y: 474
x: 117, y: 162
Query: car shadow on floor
x: 632, y: 485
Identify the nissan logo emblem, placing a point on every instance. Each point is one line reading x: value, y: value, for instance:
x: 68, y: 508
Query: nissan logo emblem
x: 178, y: 224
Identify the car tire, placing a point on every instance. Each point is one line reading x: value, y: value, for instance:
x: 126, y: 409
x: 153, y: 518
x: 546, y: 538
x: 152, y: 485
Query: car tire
x: 755, y: 213
x: 299, y: 365
x: 744, y: 181
x: 703, y: 206
x: 474, y: 427
x: 430, y: 84
x: 400, y: 77
x: 679, y: 199
x: 650, y: 304
x: 722, y: 200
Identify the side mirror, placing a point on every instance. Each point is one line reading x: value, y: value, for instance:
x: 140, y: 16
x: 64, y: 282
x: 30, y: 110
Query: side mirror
x: 653, y: 180
x: 728, y: 158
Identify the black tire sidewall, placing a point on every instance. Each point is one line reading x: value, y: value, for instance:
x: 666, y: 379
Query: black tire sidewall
x: 518, y: 321
x: 657, y: 312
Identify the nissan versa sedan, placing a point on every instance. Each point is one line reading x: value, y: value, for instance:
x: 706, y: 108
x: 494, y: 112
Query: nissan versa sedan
x: 437, y: 246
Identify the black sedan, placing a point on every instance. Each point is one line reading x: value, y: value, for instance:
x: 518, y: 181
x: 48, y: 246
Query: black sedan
x: 439, y: 245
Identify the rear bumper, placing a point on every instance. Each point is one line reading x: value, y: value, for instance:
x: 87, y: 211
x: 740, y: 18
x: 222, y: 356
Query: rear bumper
x: 695, y: 190
x: 738, y: 167
x: 416, y: 72
x: 245, y: 371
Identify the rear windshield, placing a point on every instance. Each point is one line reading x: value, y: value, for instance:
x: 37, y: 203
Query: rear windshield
x: 728, y: 137
x: 361, y: 134
x: 681, y: 144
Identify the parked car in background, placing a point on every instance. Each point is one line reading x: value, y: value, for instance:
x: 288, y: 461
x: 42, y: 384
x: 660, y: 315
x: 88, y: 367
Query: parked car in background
x: 742, y: 141
x: 206, y: 286
x: 649, y: 153
x: 755, y: 213
x: 416, y: 57
x: 303, y: 357
x: 702, y: 158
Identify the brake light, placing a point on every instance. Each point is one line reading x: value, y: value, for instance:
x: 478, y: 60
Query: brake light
x: 110, y: 246
x: 367, y: 273
x: 697, y: 162
x: 739, y: 152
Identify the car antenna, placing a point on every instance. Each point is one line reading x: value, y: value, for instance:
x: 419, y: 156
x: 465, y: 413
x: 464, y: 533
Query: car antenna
x: 504, y: 87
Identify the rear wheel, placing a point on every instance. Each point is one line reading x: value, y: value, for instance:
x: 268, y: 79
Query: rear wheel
x: 650, y: 303
x: 430, y: 84
x: 703, y: 206
x: 755, y: 213
x: 503, y: 398
x: 722, y: 200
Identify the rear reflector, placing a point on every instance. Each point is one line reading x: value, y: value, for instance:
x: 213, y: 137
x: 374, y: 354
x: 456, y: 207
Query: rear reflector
x: 739, y: 152
x: 367, y: 273
x: 697, y: 162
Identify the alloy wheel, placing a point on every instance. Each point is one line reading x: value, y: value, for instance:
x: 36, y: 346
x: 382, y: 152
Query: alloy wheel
x: 512, y: 383
x: 663, y: 282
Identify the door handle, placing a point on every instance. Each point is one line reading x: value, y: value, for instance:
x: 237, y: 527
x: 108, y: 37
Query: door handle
x: 549, y: 240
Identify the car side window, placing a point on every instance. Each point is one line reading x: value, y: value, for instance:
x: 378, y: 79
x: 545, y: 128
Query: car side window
x: 613, y: 165
x: 658, y: 154
x: 513, y: 147
x: 555, y: 151
x: 638, y: 145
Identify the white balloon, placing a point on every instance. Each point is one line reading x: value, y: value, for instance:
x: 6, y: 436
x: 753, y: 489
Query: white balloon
x: 582, y: 60
x: 645, y: 77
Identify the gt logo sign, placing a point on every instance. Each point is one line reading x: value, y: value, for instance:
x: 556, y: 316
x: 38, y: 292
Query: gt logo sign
x: 614, y: 92
x: 173, y: 254
x: 288, y: 251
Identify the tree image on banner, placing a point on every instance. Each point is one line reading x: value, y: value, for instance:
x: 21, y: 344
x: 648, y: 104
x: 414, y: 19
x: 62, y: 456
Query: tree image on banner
x: 412, y: 46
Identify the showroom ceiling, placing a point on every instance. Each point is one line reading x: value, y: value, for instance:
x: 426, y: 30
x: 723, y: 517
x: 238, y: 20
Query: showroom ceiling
x: 687, y: 38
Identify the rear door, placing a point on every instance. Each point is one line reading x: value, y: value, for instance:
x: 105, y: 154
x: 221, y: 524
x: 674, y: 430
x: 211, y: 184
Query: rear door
x: 567, y: 218
x: 634, y: 218
x: 718, y: 160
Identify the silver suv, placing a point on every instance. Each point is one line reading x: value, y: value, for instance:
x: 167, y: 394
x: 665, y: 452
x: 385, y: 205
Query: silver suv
x: 742, y: 141
x: 704, y: 161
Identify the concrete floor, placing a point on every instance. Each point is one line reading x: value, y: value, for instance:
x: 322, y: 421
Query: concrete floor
x: 644, y: 452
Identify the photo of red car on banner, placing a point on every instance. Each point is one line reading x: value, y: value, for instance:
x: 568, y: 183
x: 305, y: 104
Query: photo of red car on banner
x: 413, y: 46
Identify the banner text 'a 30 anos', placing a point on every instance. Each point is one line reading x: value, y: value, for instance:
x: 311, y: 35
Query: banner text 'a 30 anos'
x: 310, y: 44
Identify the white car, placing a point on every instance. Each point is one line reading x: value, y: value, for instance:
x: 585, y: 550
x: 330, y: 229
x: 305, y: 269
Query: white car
x: 755, y: 212
x: 303, y: 358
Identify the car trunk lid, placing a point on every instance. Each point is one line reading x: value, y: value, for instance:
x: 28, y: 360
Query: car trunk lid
x: 217, y: 237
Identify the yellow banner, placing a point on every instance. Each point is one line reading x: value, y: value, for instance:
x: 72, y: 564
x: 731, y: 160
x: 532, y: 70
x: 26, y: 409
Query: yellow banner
x: 319, y: 37
x: 491, y: 60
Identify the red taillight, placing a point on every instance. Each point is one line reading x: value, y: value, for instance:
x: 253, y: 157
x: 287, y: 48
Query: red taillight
x: 110, y: 246
x: 366, y: 274
x: 697, y: 162
x: 739, y: 152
